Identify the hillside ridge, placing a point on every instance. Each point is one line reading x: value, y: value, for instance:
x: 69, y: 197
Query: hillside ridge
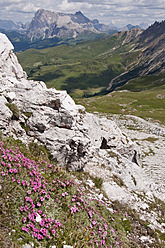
x: 150, y: 60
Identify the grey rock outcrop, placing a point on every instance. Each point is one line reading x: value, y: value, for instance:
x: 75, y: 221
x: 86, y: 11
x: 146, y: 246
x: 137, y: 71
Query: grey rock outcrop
x: 53, y: 119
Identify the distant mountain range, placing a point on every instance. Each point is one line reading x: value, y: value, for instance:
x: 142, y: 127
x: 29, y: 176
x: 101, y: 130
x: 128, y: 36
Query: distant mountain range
x: 10, y: 25
x: 94, y: 66
x: 49, y: 29
x: 130, y: 26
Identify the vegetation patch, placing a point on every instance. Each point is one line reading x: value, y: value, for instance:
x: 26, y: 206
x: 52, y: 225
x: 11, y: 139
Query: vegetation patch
x: 13, y: 107
x: 98, y: 182
x: 118, y: 181
x: 41, y: 204
x: 151, y: 139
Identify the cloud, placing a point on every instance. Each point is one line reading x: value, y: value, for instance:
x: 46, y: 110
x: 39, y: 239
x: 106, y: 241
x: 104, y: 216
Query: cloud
x: 120, y: 12
x: 25, y: 8
x: 73, y: 6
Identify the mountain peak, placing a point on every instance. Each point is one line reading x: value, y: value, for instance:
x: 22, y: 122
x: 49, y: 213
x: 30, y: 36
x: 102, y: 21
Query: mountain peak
x: 79, y: 13
x: 47, y: 24
x: 79, y: 17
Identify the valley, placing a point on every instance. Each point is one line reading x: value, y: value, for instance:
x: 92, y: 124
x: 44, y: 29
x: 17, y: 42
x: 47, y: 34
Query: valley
x: 84, y: 69
x: 131, y: 60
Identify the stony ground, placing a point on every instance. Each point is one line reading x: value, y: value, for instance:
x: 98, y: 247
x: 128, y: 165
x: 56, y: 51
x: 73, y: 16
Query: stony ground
x: 151, y: 139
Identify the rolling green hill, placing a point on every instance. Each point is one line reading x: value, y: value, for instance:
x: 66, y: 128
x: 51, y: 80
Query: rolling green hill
x: 83, y: 69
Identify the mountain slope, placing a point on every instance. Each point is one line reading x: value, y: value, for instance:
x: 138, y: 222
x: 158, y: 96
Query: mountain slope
x: 152, y: 57
x: 89, y: 68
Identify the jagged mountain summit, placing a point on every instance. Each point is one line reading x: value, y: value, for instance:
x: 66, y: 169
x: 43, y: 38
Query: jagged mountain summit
x: 47, y: 24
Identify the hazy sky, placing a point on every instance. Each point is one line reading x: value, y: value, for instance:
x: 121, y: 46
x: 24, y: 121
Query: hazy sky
x: 118, y: 12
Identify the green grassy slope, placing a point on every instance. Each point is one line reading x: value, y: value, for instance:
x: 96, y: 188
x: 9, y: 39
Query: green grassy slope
x: 144, y: 83
x: 85, y: 68
x: 149, y: 103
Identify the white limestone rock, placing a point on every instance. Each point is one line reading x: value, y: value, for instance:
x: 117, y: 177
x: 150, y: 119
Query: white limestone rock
x: 9, y: 66
x: 73, y: 136
x: 5, y: 113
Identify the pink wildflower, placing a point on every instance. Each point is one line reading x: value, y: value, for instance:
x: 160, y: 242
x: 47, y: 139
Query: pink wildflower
x: 11, y: 171
x: 94, y: 222
x: 42, y: 223
x: 26, y: 208
x: 23, y: 183
x: 25, y: 229
x: 13, y: 179
x: 44, y: 231
x: 21, y: 209
x: 24, y: 219
x: 47, y: 196
x: 35, y: 234
x: 2, y: 173
x: 39, y: 237
x: 38, y: 204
